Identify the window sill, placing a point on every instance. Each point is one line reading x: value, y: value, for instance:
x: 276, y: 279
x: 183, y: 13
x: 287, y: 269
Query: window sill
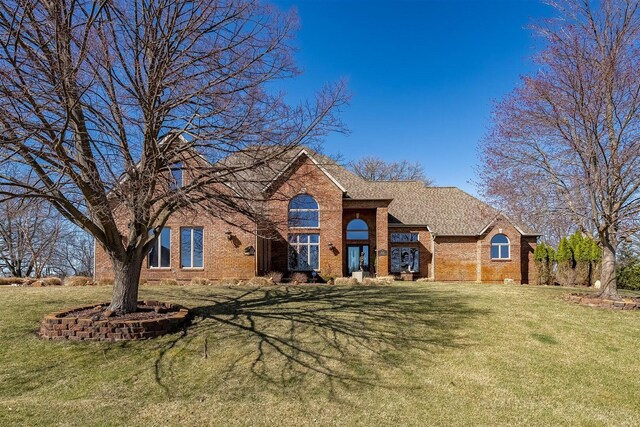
x: 192, y: 268
x: 501, y: 259
x: 159, y: 268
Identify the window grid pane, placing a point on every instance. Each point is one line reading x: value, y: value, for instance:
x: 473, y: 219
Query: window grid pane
x: 304, y: 212
x: 500, y: 247
x: 198, y: 247
x: 304, y: 252
x: 405, y: 259
x: 185, y: 247
x: 160, y: 253
x: 404, y: 237
x: 191, y: 247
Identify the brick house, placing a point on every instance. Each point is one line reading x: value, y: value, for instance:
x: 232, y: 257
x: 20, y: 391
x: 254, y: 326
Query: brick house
x: 326, y: 221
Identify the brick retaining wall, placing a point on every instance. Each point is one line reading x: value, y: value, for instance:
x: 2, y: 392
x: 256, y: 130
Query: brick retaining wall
x: 57, y: 326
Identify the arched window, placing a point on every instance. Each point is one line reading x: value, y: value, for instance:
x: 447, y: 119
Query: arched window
x: 500, y: 247
x: 304, y: 212
x: 357, y: 229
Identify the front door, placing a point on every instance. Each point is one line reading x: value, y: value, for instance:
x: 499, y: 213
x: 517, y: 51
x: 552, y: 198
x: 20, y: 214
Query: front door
x: 354, y: 252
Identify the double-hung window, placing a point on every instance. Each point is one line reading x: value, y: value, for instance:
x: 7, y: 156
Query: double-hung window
x: 160, y: 253
x: 191, y: 247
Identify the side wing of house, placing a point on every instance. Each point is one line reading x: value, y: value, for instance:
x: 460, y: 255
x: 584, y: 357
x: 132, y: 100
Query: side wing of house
x: 500, y: 252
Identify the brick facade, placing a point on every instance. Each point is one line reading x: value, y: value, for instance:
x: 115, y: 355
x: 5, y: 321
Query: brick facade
x: 468, y: 258
x: 243, y: 252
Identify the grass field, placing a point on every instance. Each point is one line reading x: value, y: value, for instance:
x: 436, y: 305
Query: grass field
x: 404, y: 354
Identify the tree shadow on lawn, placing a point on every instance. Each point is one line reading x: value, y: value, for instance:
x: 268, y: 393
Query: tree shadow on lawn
x: 341, y: 335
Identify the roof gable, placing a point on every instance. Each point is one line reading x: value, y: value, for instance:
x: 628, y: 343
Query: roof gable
x: 292, y: 162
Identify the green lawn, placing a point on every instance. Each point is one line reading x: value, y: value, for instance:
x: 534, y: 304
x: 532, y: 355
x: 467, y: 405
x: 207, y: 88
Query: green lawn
x: 404, y: 354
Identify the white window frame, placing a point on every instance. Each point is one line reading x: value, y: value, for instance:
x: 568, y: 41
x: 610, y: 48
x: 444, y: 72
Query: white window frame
x: 290, y: 209
x: 191, y: 251
x: 293, y: 245
x: 500, y: 246
x: 158, y: 247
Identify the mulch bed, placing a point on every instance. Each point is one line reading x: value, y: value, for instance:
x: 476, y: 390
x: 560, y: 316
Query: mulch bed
x: 591, y: 300
x: 143, y: 312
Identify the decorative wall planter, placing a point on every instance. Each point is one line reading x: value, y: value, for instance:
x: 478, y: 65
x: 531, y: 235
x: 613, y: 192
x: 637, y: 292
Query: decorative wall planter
x: 93, y: 323
x: 590, y: 301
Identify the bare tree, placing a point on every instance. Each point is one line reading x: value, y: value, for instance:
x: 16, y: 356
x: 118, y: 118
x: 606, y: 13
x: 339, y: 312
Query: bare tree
x: 375, y: 169
x: 29, y: 234
x: 104, y: 104
x: 572, y: 130
x: 535, y: 205
x: 73, y: 254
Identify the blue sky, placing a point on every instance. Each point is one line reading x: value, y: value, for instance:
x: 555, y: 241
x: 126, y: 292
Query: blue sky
x: 423, y: 74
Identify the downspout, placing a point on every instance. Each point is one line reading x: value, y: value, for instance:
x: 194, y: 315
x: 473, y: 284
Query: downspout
x: 433, y: 257
x: 256, y: 253
x: 94, y: 259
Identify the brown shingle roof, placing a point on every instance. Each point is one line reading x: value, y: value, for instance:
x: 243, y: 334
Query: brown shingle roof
x: 445, y: 210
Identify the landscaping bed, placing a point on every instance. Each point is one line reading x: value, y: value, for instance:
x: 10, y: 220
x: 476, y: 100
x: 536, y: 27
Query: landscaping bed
x: 97, y: 323
x: 595, y: 301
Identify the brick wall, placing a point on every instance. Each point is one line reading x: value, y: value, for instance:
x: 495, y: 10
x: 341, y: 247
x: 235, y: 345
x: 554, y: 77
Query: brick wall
x: 498, y: 270
x: 456, y: 258
x: 306, y: 178
x: 468, y: 258
x: 222, y: 257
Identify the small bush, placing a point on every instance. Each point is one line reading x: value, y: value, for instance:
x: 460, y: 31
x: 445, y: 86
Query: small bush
x: 377, y: 281
x: 104, y: 282
x: 45, y: 282
x: 299, y: 278
x: 275, y: 276
x: 349, y: 281
x: 260, y: 281
x: 200, y: 281
x: 8, y: 281
x: 328, y: 279
x: 227, y: 281
x: 168, y: 282
x: 78, y: 281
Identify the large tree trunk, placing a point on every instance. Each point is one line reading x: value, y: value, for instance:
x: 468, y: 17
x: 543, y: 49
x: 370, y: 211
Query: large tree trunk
x: 125, y: 283
x: 608, y: 271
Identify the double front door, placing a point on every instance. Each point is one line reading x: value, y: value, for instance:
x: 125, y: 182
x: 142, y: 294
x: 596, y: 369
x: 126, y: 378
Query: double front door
x: 355, y: 255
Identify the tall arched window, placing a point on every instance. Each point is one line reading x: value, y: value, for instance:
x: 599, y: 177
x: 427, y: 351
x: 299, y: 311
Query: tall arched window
x: 304, y: 212
x: 500, y: 247
x: 357, y: 229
